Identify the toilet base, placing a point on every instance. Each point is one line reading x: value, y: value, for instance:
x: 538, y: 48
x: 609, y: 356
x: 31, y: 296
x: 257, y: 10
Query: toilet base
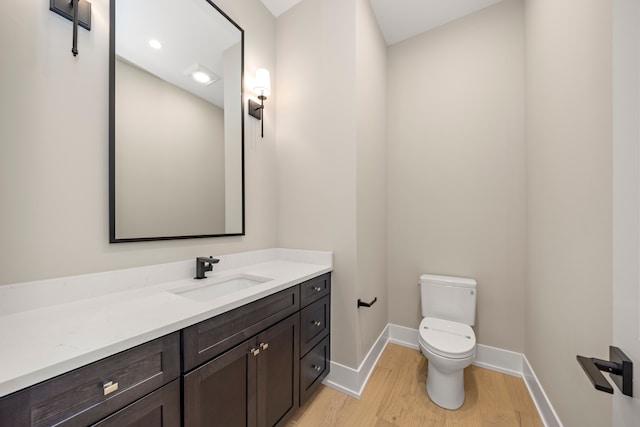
x: 445, y: 389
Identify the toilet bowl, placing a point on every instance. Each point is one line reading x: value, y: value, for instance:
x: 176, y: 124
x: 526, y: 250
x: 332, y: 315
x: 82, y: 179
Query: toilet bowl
x: 450, y: 347
x: 445, y: 335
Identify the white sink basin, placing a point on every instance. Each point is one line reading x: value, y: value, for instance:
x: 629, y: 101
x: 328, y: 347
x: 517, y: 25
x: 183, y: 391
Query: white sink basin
x: 213, y: 288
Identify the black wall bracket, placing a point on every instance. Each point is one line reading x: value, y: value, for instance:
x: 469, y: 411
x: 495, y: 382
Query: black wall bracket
x: 619, y: 367
x: 255, y: 109
x: 366, y: 304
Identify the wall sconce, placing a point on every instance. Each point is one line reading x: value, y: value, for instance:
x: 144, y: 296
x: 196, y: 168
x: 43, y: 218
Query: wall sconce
x: 262, y: 88
x: 77, y: 11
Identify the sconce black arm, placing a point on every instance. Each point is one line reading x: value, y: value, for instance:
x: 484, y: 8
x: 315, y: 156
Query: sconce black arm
x: 74, y: 47
x: 620, y: 367
x: 77, y: 11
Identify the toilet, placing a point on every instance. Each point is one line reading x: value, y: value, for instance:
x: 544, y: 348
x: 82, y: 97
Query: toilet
x: 445, y: 335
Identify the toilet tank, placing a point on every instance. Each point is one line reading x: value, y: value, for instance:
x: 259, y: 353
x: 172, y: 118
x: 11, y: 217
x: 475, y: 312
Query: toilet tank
x: 448, y: 298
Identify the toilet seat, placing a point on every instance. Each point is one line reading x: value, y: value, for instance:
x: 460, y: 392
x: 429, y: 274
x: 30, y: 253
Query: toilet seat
x: 448, y: 339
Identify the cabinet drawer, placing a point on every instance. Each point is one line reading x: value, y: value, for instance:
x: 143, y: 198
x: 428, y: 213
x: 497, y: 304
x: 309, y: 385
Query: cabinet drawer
x: 314, y: 289
x: 315, y: 322
x: 158, y: 409
x: 313, y: 368
x: 208, y: 339
x: 82, y: 396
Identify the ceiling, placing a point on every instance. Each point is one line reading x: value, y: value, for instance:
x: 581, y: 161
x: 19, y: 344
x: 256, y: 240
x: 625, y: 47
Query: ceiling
x: 182, y: 45
x: 398, y: 20
x: 402, y: 19
x: 278, y: 7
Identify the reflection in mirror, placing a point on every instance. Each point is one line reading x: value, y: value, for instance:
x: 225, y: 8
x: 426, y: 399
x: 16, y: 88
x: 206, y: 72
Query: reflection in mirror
x: 176, y: 121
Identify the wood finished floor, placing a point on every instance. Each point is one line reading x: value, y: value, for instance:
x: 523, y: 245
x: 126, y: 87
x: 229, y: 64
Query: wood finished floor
x: 396, y: 396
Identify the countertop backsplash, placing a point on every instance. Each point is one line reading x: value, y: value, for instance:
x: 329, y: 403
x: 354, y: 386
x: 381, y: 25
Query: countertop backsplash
x: 24, y: 296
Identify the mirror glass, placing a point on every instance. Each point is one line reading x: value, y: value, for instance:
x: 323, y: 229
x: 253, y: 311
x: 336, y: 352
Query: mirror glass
x: 176, y: 121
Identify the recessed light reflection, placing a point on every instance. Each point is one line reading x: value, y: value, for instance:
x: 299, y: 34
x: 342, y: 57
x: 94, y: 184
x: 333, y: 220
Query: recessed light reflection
x: 155, y: 44
x: 201, y: 77
x: 201, y: 74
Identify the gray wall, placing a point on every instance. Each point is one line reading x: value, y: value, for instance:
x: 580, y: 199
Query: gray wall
x: 371, y: 175
x: 456, y: 165
x: 54, y: 158
x: 569, y: 200
x: 331, y: 195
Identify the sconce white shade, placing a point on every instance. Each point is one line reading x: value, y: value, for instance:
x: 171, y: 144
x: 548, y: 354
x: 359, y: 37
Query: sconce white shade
x: 262, y: 85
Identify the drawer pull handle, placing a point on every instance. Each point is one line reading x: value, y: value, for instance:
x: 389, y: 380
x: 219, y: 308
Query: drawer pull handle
x: 264, y: 345
x: 317, y: 368
x: 255, y: 351
x: 316, y: 323
x: 109, y: 387
x: 317, y: 288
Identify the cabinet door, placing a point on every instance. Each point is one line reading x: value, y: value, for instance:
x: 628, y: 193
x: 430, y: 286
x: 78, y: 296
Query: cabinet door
x: 278, y: 372
x: 222, y: 392
x: 158, y: 409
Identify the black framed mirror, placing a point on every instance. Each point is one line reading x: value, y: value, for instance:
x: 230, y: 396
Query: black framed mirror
x: 176, y: 122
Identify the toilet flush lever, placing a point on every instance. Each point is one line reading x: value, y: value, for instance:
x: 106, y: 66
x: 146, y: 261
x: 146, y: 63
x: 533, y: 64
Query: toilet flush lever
x: 620, y: 368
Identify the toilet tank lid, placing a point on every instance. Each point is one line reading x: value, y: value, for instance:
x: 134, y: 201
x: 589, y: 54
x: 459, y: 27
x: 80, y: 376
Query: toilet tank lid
x: 448, y: 280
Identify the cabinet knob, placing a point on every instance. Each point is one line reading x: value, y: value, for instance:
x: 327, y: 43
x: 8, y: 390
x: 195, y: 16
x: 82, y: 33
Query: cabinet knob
x: 317, y: 288
x: 316, y: 367
x: 264, y: 345
x: 109, y: 387
x: 254, y: 351
x: 316, y: 323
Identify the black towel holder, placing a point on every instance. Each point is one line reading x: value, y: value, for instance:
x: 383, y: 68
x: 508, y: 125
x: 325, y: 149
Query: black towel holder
x: 366, y: 304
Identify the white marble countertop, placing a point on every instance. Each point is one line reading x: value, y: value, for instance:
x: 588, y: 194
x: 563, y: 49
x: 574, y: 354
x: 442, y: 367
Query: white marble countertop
x: 41, y: 340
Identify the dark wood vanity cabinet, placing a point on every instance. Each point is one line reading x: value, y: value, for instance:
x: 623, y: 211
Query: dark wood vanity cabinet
x: 94, y: 392
x: 253, y: 384
x: 315, y: 328
x: 158, y: 409
x: 252, y: 376
x: 314, y: 289
x: 212, y: 337
x: 262, y: 380
x: 252, y: 366
x: 315, y: 323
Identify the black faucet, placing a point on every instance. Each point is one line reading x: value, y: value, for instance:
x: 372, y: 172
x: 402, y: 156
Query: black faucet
x: 203, y: 265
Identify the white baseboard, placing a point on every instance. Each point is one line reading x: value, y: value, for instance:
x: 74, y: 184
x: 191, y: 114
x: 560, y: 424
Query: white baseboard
x: 499, y: 360
x: 545, y: 409
x: 352, y: 381
x: 401, y: 335
x: 344, y: 379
